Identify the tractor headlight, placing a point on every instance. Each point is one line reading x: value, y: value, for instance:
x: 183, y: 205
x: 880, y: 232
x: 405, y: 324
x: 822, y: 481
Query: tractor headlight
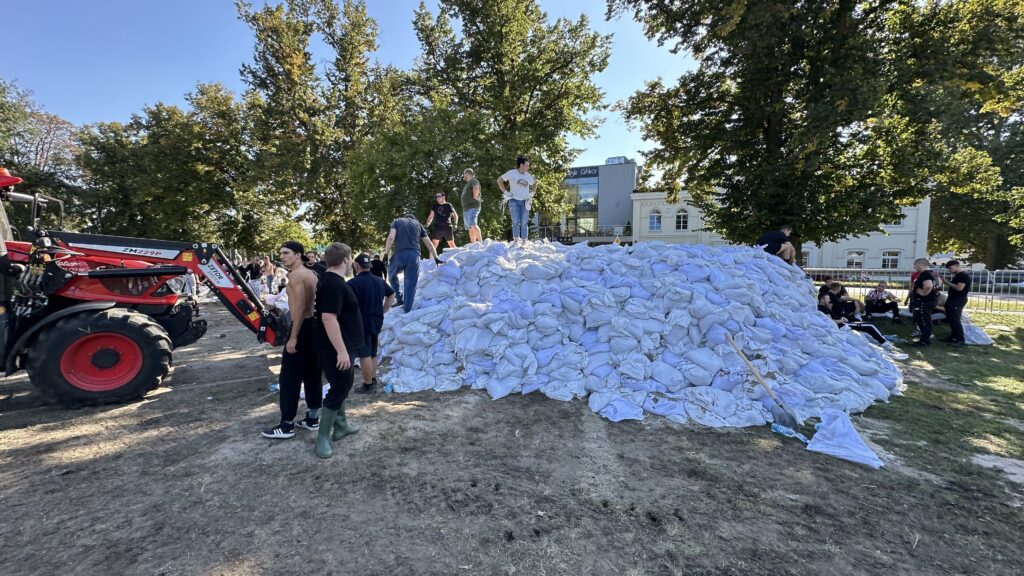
x: 177, y: 284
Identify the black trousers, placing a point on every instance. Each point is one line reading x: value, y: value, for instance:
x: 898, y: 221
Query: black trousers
x: 954, y: 311
x: 873, y: 306
x: 923, y: 310
x: 301, y: 368
x: 340, y: 380
x: 868, y: 329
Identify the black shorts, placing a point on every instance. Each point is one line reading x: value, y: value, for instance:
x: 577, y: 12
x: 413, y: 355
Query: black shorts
x: 442, y: 233
x: 773, y: 249
x: 368, y: 349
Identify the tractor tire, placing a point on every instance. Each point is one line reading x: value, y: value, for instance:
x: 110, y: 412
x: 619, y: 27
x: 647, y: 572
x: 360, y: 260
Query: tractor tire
x: 104, y: 357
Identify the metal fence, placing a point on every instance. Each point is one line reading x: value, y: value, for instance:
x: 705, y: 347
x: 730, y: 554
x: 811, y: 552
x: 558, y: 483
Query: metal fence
x: 991, y: 291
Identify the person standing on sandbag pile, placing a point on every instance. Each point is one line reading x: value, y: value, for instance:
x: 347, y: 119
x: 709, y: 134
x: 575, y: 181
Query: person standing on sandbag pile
x: 441, y: 221
x: 299, y: 366
x: 776, y: 242
x: 923, y: 295
x: 471, y: 203
x: 406, y: 235
x: 519, y: 196
x: 339, y: 329
x: 375, y: 298
x: 956, y: 299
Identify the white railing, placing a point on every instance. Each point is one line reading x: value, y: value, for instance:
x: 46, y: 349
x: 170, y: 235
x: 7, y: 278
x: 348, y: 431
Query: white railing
x: 991, y: 291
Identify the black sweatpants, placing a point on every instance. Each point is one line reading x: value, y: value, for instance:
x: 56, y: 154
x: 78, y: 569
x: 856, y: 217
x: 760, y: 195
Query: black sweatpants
x: 301, y: 368
x: 869, y: 329
x: 923, y: 310
x: 873, y: 306
x: 954, y: 311
x: 340, y: 380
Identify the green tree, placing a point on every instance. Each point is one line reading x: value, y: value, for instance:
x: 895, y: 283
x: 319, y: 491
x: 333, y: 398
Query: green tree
x: 40, y: 148
x: 179, y: 175
x: 305, y: 124
x: 785, y: 119
x: 507, y: 83
x: 963, y: 65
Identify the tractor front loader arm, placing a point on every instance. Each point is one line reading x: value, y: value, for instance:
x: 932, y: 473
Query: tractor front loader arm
x: 208, y: 261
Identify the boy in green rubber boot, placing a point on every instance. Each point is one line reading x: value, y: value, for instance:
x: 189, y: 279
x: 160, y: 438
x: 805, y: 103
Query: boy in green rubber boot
x: 338, y: 329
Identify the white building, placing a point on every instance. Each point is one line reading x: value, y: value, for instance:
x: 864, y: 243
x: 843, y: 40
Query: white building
x: 896, y: 247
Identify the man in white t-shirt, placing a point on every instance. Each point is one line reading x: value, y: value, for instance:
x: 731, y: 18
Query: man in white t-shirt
x: 521, y: 185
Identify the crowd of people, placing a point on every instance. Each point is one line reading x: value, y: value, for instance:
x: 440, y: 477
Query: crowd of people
x: 334, y: 321
x: 925, y: 296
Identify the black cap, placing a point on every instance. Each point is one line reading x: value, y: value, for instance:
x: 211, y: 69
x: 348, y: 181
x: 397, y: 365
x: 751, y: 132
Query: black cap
x: 296, y: 246
x: 363, y: 260
x: 952, y: 263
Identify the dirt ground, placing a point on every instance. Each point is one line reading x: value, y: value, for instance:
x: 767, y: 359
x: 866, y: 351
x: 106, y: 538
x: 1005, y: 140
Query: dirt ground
x: 182, y: 483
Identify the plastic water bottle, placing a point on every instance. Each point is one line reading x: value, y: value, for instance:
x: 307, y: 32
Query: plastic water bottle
x: 274, y: 387
x: 388, y: 388
x: 788, y: 432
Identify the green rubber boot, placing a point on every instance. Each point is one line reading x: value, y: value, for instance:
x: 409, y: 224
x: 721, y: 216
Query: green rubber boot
x: 341, y: 426
x: 323, y: 434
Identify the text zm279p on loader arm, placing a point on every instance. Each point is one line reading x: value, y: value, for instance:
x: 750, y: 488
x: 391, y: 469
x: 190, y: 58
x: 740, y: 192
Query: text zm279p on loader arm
x: 94, y: 318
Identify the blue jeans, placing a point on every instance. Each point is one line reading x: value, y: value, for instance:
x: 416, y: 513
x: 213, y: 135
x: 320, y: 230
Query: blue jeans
x: 407, y: 261
x: 520, y: 223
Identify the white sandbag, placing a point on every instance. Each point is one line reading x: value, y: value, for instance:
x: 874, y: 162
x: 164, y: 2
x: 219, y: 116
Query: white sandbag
x: 837, y: 437
x: 637, y: 328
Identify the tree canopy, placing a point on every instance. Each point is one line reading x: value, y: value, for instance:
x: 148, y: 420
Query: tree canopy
x: 832, y: 115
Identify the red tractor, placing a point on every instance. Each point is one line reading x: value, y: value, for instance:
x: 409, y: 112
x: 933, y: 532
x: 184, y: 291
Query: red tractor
x: 93, y: 318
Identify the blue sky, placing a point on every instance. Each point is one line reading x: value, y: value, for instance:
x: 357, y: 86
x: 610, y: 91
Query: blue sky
x: 93, y: 61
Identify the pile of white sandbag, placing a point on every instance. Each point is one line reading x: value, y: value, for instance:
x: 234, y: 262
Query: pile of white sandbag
x: 634, y: 329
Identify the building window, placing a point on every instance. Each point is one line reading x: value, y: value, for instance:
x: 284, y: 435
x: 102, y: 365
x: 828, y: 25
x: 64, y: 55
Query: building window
x: 654, y: 221
x: 805, y: 258
x: 891, y: 259
x: 855, y: 259
x: 582, y: 193
x: 682, y: 220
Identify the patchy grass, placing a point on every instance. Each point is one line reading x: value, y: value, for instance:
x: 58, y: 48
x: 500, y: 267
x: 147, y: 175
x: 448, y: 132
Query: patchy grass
x: 961, y: 402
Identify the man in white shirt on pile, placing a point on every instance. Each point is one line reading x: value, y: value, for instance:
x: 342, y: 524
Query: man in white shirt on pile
x: 521, y: 185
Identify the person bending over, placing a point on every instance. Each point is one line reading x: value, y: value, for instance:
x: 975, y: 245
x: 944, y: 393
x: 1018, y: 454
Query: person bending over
x: 406, y: 234
x: 842, y: 303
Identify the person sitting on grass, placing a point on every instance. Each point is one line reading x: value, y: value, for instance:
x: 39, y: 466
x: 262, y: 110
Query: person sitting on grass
x: 826, y: 306
x: 842, y: 303
x: 882, y: 300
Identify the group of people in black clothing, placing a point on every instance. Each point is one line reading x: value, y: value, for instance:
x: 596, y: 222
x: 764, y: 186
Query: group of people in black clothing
x: 926, y: 285
x: 333, y: 321
x: 835, y: 301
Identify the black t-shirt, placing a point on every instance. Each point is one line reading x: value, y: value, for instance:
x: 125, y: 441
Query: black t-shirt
x: 442, y: 213
x: 919, y: 283
x: 333, y: 296
x: 251, y: 271
x: 772, y: 240
x: 378, y: 269
x: 824, y: 290
x: 370, y: 292
x: 959, y: 295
